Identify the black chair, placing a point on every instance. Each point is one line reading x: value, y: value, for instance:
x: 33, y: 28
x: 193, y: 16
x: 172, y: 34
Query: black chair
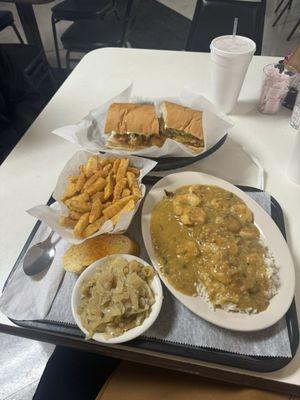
x: 73, y: 10
x: 32, y: 62
x: 28, y: 59
x: 214, y: 18
x: 86, y: 35
x: 7, y: 19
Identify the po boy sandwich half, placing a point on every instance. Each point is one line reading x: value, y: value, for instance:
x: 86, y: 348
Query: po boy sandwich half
x: 182, y: 124
x: 132, y: 126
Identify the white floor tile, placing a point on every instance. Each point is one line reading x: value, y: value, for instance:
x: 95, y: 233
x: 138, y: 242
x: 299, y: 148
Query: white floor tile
x: 25, y: 393
x: 274, y: 43
x: 22, y: 362
x: 184, y: 7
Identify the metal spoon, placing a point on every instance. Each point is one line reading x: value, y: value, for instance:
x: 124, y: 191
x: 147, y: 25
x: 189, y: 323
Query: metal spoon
x: 39, y: 257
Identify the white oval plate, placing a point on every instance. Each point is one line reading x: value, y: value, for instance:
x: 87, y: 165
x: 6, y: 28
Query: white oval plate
x: 131, y: 333
x: 271, y: 236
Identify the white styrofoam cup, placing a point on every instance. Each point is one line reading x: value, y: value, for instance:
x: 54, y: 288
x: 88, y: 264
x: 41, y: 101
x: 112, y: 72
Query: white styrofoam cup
x: 229, y: 66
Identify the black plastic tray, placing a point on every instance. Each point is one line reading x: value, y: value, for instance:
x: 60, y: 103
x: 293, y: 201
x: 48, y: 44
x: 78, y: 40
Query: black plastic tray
x: 253, y: 363
x: 166, y: 163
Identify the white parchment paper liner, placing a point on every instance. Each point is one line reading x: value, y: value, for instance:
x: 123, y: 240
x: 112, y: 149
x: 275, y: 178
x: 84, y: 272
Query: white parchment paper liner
x: 89, y: 132
x: 50, y: 215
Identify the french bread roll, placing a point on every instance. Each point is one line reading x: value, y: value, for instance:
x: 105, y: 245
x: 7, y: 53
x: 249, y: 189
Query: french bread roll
x: 78, y: 257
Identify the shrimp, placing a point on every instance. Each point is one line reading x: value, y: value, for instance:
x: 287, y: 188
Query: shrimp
x: 182, y: 200
x: 249, y: 232
x: 230, y: 221
x: 188, y: 248
x: 193, y: 215
x: 219, y: 204
x: 243, y: 213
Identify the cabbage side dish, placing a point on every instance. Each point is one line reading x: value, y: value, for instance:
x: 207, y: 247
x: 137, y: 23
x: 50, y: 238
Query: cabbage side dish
x: 206, y: 243
x: 116, y: 298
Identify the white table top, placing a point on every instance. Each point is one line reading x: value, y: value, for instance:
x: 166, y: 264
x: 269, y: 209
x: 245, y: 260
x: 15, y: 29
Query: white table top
x: 29, y: 174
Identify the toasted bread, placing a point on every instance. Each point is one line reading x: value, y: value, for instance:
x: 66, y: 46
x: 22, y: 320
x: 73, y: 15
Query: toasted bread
x: 80, y: 256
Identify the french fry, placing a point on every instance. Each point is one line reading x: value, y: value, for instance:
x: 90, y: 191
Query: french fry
x: 80, y: 197
x: 120, y: 185
x: 91, y: 166
x: 116, y: 164
x: 92, y: 179
x: 130, y: 177
x: 80, y: 181
x: 72, y: 179
x: 98, y: 195
x: 96, y: 186
x: 128, y: 207
x: 126, y: 192
x: 101, y: 196
x: 133, y: 185
x: 112, y: 159
x: 121, y: 172
x: 136, y: 192
x: 109, y: 188
x: 106, y: 170
x: 67, y: 222
x: 80, y: 206
x: 94, y: 227
x: 116, y: 207
x: 136, y: 171
x: 107, y: 204
x: 102, y: 162
x: 70, y: 191
x: 95, y: 211
x: 81, y: 224
x: 75, y: 215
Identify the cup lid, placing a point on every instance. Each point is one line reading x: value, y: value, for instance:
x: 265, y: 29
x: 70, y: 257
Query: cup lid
x: 232, y: 46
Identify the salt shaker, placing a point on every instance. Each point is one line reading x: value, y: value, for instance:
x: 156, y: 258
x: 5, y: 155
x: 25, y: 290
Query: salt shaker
x: 295, y: 118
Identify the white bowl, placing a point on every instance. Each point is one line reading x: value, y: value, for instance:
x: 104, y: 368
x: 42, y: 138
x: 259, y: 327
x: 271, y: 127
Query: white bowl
x: 132, y: 333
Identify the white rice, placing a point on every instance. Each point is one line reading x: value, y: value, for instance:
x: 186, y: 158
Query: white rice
x: 274, y: 284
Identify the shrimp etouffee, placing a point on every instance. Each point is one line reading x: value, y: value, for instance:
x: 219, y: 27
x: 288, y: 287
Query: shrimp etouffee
x: 205, y: 235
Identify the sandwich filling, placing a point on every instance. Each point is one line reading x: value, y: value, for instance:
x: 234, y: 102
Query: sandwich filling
x: 182, y: 137
x: 135, y: 140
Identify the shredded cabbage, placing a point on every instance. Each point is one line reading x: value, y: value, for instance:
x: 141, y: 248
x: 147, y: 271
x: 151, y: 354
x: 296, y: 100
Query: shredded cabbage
x: 116, y: 298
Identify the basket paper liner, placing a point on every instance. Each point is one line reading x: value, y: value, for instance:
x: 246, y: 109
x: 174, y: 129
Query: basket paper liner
x: 50, y: 215
x: 89, y: 132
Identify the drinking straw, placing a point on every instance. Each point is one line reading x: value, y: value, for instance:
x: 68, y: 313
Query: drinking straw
x: 235, y: 24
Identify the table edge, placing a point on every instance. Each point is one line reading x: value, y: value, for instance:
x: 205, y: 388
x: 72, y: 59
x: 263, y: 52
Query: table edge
x: 154, y: 359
